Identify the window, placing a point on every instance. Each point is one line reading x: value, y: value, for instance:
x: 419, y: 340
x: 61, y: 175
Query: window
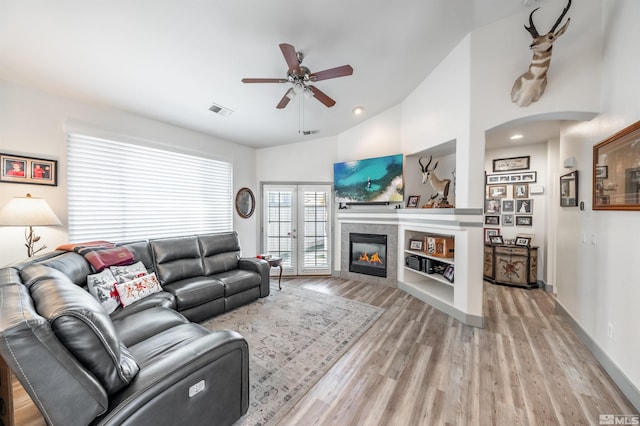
x: 126, y: 192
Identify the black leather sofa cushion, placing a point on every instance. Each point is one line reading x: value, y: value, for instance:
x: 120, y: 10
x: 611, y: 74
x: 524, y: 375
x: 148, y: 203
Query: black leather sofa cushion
x: 238, y: 280
x: 220, y: 252
x: 53, y: 381
x: 72, y: 265
x: 84, y: 327
x: 177, y: 259
x: 138, y: 326
x: 195, y: 291
x: 141, y: 253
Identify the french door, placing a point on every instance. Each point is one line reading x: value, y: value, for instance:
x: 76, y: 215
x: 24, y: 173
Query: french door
x: 296, y: 226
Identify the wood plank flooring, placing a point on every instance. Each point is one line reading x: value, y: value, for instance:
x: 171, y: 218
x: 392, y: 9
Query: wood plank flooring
x: 418, y: 366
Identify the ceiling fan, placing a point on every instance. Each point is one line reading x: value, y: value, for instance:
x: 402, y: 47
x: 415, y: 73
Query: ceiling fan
x: 301, y: 76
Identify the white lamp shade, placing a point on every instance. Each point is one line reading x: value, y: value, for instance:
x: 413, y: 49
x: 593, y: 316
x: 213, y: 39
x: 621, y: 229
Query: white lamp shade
x: 28, y: 211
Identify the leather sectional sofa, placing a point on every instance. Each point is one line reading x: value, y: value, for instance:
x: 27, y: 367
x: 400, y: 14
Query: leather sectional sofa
x: 149, y: 363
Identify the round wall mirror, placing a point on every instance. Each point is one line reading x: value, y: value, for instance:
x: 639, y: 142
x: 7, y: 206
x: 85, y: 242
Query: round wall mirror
x: 245, y: 202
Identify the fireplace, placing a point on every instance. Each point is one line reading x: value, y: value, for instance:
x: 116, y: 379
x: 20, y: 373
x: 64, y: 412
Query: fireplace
x: 368, y: 254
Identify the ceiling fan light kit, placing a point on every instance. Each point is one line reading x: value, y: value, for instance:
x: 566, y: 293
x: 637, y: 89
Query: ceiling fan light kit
x: 300, y: 76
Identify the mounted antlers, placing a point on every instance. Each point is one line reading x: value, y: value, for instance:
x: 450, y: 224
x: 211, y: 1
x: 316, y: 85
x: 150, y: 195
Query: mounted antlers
x: 530, y: 86
x: 440, y: 185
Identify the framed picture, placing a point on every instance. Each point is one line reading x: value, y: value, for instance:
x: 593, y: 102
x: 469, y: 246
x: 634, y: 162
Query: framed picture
x: 507, y: 205
x: 601, y: 172
x: 522, y: 241
x: 528, y: 177
x: 524, y: 206
x: 449, y: 273
x: 496, y: 239
x: 569, y: 189
x: 531, y: 237
x: 497, y: 191
x: 492, y: 206
x: 412, y: 201
x: 492, y: 220
x: 510, y: 164
x: 524, y: 221
x: 415, y: 245
x: 507, y: 220
x: 520, y: 190
x: 37, y: 171
x: 616, y: 171
x: 490, y: 232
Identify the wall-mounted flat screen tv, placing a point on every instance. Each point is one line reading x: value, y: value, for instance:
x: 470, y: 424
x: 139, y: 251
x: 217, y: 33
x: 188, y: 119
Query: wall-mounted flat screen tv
x: 372, y: 180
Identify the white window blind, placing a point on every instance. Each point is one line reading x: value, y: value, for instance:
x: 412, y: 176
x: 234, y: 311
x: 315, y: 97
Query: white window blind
x: 126, y: 192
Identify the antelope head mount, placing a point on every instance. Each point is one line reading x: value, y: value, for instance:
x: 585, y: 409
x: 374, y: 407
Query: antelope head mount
x: 530, y: 86
x: 428, y: 175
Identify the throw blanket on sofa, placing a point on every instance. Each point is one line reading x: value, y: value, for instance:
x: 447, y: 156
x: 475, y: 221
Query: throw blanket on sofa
x: 101, y: 254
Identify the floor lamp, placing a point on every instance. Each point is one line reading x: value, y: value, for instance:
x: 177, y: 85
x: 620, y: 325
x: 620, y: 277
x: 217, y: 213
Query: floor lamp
x: 28, y: 211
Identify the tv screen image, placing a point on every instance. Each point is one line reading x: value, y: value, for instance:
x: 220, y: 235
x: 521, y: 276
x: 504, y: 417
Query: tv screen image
x: 372, y: 180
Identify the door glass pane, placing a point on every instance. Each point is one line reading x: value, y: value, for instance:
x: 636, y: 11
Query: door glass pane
x: 279, y: 226
x: 315, y: 230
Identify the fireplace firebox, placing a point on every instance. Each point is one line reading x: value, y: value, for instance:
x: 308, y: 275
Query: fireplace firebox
x: 368, y: 254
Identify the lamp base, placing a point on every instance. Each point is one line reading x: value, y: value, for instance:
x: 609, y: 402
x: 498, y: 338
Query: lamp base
x: 31, y: 238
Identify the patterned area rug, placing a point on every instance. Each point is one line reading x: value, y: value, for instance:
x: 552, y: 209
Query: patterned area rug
x: 295, y: 336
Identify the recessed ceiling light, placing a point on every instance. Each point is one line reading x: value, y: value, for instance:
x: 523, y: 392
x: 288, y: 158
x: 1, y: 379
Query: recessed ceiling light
x: 516, y: 137
x: 358, y: 110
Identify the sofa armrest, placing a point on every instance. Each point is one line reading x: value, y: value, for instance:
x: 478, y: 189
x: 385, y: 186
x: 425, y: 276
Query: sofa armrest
x: 206, y: 379
x: 260, y: 266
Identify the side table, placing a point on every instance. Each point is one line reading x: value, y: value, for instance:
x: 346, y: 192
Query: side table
x: 276, y: 262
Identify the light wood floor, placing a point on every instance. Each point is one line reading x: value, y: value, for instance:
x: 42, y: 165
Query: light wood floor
x: 417, y: 366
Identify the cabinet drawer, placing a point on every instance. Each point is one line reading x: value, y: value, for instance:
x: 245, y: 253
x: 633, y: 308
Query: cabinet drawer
x: 513, y: 251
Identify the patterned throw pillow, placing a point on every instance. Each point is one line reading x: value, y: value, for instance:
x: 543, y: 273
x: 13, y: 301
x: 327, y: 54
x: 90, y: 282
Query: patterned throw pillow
x: 102, y: 286
x: 138, y: 288
x: 127, y: 273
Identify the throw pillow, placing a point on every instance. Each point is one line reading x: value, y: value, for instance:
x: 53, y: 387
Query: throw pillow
x: 102, y: 286
x: 127, y: 273
x: 138, y: 288
x: 103, y: 257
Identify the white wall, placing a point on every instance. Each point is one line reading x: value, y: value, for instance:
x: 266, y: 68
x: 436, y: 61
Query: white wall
x: 598, y: 284
x: 33, y: 123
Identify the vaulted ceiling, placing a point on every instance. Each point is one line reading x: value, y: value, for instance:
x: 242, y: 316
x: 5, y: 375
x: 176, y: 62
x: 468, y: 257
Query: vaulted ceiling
x: 171, y: 60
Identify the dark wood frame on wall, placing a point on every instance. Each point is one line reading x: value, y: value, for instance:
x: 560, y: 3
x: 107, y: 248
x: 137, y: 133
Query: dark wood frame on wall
x: 616, y: 171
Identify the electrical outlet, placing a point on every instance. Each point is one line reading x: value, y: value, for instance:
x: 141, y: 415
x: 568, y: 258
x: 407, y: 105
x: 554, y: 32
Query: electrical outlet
x: 610, y: 331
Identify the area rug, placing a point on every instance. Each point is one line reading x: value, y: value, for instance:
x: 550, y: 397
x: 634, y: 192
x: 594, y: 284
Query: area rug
x: 295, y: 336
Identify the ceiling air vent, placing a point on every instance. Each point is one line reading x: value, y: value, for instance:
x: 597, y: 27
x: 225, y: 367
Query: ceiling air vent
x: 219, y: 109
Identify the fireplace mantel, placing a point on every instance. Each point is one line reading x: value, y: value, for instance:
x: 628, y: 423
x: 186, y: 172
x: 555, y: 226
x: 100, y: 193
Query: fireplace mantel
x: 463, y: 299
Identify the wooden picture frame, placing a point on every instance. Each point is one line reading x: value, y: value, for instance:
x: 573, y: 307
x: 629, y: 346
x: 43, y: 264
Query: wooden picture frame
x: 522, y: 241
x: 496, y: 239
x: 412, y: 201
x: 29, y: 170
x: 490, y: 232
x: 492, y: 220
x: 569, y: 189
x: 508, y: 206
x: 416, y: 245
x: 245, y: 203
x: 524, y: 220
x: 524, y: 206
x: 497, y: 191
x: 520, y: 190
x: 510, y: 164
x: 616, y: 171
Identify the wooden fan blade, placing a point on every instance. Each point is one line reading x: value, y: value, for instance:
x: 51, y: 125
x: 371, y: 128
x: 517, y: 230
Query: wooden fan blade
x: 264, y: 80
x: 285, y: 99
x: 322, y: 97
x: 291, y: 57
x: 332, y: 73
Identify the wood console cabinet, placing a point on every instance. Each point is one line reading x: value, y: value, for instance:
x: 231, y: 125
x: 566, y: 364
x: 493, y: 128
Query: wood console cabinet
x: 511, y: 265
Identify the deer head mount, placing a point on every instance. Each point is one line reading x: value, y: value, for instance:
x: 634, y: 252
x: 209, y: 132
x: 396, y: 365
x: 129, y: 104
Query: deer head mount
x: 530, y: 86
x: 440, y: 185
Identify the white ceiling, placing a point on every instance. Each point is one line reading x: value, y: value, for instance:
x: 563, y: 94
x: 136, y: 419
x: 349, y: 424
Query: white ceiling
x: 170, y: 60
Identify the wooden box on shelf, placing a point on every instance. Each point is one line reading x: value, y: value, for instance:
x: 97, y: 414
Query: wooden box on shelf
x: 439, y: 246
